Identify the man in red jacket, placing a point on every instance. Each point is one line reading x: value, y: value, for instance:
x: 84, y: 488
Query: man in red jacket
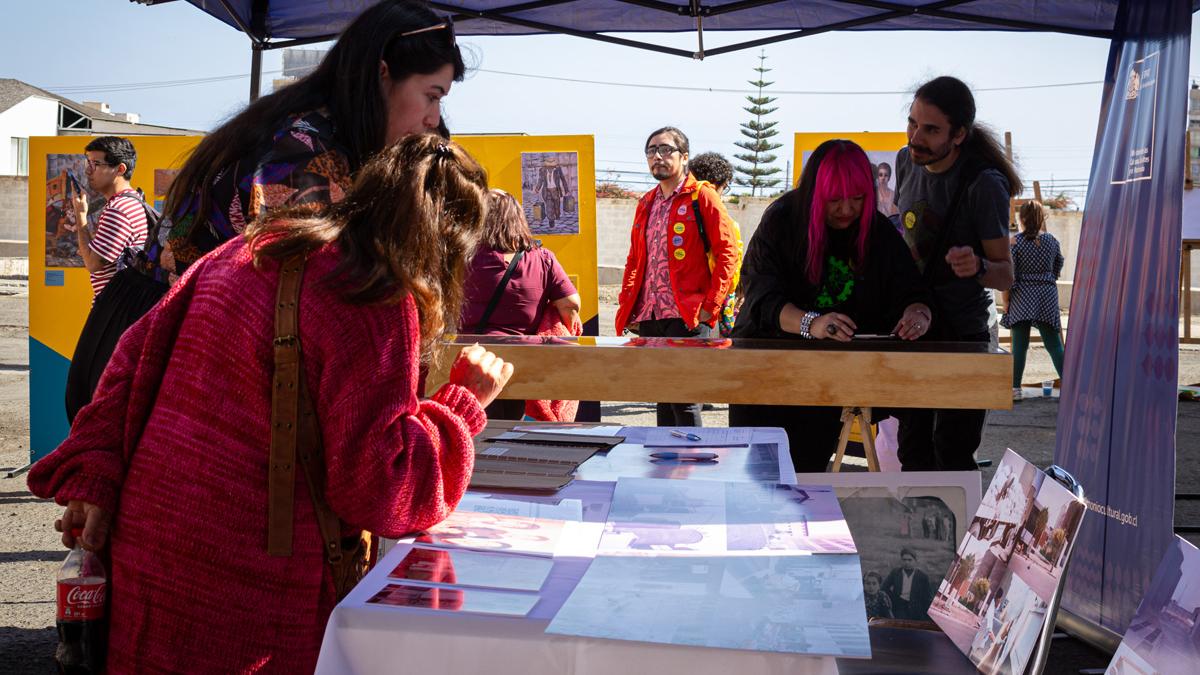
x: 679, y: 270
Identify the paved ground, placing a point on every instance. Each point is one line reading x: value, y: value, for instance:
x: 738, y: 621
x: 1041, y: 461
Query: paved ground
x: 30, y: 552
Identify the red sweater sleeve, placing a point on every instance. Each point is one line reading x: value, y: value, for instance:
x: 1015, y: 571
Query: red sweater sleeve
x: 90, y: 464
x: 394, y: 464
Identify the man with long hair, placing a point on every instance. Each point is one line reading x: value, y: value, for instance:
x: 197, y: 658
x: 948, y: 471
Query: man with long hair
x: 953, y: 185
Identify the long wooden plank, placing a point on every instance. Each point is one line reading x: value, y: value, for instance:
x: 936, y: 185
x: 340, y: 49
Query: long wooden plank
x: 862, y: 377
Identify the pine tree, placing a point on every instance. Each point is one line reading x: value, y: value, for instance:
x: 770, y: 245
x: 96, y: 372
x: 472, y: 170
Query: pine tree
x: 758, y: 148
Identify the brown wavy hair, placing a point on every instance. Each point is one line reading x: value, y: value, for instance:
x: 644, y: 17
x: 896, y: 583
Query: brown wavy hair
x: 1033, y: 219
x: 505, y: 228
x: 408, y: 225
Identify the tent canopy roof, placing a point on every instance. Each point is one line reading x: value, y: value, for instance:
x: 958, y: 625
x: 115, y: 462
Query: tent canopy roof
x: 282, y: 23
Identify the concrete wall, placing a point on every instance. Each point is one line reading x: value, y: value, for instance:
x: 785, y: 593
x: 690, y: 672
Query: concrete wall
x: 614, y: 217
x: 14, y: 210
x: 35, y: 116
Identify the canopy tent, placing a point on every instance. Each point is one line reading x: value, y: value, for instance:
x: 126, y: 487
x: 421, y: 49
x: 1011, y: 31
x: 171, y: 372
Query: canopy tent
x: 273, y: 24
x: 1116, y: 430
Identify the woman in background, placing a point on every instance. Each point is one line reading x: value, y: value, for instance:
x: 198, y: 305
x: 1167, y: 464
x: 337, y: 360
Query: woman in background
x: 1033, y: 299
x: 824, y: 264
x: 516, y: 287
x: 298, y: 146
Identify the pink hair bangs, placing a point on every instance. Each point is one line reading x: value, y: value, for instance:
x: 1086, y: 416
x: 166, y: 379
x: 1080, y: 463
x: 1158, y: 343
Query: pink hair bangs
x: 845, y: 172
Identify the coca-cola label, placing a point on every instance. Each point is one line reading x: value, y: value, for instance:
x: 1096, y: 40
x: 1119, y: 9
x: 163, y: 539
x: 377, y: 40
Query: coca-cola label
x: 81, y: 599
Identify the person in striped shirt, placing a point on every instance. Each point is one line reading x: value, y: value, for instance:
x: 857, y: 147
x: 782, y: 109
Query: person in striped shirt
x: 122, y: 221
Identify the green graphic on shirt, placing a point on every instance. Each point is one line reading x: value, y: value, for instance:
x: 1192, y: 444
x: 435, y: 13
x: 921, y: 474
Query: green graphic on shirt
x: 838, y: 284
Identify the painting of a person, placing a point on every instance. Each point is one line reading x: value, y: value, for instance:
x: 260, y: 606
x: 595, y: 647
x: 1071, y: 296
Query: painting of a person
x: 878, y: 603
x: 885, y: 196
x: 551, y: 186
x: 909, y: 589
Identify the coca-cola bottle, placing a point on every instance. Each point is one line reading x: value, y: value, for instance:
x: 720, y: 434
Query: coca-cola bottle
x: 82, y: 612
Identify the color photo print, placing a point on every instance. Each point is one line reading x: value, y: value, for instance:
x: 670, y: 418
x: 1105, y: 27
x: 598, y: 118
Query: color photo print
x: 993, y: 599
x: 66, y: 179
x: 550, y: 191
x: 1164, y: 636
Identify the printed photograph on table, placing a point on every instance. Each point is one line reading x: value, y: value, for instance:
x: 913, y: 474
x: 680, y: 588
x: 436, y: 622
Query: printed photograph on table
x: 698, y: 517
x: 494, y: 532
x: 459, y: 567
x: 992, y: 601
x: 1164, y: 636
x: 66, y: 178
x: 550, y: 191
x: 906, y: 545
x: 455, y: 599
x: 808, y: 604
x: 758, y: 462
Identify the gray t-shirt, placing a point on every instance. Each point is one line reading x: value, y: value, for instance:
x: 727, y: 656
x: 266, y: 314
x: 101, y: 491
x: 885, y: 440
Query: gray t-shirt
x: 923, y: 199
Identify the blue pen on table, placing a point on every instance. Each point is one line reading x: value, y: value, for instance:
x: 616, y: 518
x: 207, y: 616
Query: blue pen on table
x: 686, y: 456
x: 685, y: 434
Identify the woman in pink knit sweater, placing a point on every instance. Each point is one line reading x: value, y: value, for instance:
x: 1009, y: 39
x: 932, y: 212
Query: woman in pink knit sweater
x: 168, y: 465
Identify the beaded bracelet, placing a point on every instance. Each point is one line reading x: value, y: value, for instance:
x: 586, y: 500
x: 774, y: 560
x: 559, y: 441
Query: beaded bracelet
x: 806, y: 323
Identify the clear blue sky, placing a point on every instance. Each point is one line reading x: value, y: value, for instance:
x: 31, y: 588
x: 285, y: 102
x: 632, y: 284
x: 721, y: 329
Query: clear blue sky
x: 65, y: 45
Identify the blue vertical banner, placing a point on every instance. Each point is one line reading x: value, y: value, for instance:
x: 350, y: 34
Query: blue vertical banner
x: 1116, y: 420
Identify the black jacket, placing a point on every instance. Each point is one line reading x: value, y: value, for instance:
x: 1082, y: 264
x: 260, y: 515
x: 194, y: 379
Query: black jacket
x: 773, y: 274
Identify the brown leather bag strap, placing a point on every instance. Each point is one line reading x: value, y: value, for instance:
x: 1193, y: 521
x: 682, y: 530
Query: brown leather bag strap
x: 285, y: 415
x: 312, y: 456
x: 295, y: 433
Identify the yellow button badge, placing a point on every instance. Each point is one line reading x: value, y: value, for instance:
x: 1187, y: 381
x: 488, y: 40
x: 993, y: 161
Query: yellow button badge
x: 910, y: 220
x: 680, y: 253
x: 679, y: 228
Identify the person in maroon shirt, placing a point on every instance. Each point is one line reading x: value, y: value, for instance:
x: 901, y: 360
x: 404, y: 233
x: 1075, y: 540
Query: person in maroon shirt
x: 537, y: 285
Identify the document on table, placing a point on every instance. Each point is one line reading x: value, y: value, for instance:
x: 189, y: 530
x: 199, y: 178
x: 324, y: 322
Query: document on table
x: 563, y: 509
x: 457, y: 567
x: 473, y: 600
x: 810, y: 604
x: 660, y: 437
x: 653, y: 517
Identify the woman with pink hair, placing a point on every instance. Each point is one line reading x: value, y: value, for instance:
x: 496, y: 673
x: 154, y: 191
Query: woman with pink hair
x: 825, y: 264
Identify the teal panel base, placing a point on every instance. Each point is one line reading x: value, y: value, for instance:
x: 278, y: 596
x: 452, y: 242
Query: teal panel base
x: 47, y: 399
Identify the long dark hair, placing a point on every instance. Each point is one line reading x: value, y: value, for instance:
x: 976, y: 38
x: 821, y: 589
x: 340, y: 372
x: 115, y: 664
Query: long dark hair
x: 409, y: 224
x: 346, y: 84
x: 505, y: 228
x: 953, y: 97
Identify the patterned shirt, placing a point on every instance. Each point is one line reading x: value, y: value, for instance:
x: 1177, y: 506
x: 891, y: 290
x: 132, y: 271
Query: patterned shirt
x: 301, y: 164
x: 656, y: 300
x: 121, y: 225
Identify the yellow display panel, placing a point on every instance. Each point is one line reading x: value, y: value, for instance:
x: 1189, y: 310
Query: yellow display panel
x: 57, y: 311
x: 501, y: 156
x: 880, y: 146
x: 60, y: 293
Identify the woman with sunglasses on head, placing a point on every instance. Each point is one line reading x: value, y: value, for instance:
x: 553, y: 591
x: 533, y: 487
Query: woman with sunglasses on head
x: 174, y: 467
x: 825, y: 264
x: 299, y: 146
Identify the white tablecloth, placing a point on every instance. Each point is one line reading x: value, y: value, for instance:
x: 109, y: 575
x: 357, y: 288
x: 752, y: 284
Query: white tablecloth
x: 362, y: 639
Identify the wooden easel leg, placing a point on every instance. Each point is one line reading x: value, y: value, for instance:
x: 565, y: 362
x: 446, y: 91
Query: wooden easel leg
x: 843, y: 438
x: 868, y: 439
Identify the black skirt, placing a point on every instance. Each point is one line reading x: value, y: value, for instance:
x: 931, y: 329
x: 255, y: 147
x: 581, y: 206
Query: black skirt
x: 126, y: 298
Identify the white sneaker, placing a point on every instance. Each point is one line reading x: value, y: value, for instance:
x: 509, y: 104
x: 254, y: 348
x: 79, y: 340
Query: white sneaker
x: 1018, y: 394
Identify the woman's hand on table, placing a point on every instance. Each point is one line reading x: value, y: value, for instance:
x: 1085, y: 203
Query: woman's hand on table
x: 914, y: 322
x: 833, y: 326
x: 483, y: 373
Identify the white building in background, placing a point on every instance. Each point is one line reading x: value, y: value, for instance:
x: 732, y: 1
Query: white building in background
x: 27, y: 111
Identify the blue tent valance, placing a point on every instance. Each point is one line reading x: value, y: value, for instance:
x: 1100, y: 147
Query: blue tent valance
x: 282, y: 23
